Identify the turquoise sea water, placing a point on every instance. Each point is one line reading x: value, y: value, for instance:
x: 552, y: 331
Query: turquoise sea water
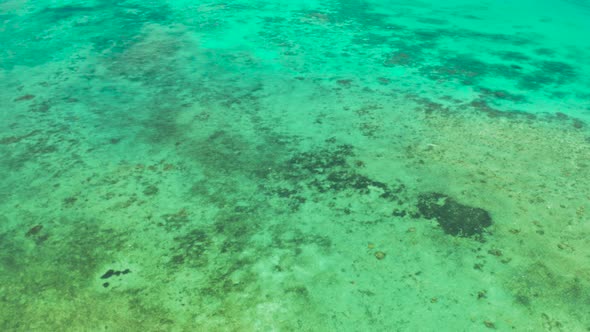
x: 338, y: 165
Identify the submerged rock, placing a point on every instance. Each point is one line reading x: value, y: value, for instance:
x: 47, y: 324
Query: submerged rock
x: 454, y: 218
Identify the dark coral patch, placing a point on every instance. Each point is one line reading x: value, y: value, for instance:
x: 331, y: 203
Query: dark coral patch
x: 454, y: 218
x: 190, y: 249
x: 25, y: 97
x: 548, y: 73
x: 328, y: 170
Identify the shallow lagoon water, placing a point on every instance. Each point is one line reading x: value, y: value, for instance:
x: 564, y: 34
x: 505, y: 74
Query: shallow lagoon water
x: 294, y: 166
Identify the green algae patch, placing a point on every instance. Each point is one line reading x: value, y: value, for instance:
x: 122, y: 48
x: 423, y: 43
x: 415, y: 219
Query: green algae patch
x: 454, y: 218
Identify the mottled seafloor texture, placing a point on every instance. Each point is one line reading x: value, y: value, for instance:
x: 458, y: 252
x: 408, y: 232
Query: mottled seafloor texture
x: 339, y: 165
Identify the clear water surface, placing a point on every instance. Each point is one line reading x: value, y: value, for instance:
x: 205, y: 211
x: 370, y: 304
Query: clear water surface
x: 338, y: 165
